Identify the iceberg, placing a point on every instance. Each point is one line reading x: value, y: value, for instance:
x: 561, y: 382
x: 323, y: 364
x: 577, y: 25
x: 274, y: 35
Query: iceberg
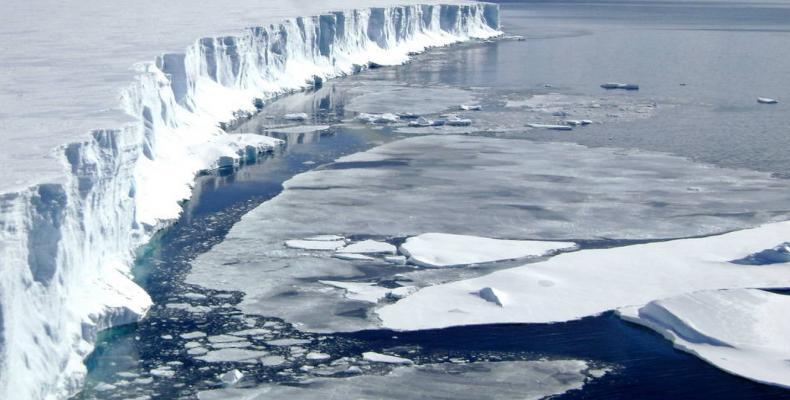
x: 741, y: 331
x: 585, y: 283
x: 88, y: 187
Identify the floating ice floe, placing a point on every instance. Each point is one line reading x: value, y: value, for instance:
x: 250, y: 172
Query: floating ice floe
x: 471, y: 107
x: 589, y: 282
x: 315, y: 244
x: 352, y: 257
x: 551, y: 127
x: 449, y: 250
x: 315, y: 356
x: 369, y: 247
x: 229, y: 150
x: 386, y: 118
x: 231, y: 377
x: 372, y: 356
x: 529, y: 380
x: 745, y: 332
x: 287, y: 342
x: 423, y: 122
x: 454, y: 120
x: 295, y: 117
x: 193, y: 335
x: 624, y: 86
x: 766, y: 100
x: 578, y: 122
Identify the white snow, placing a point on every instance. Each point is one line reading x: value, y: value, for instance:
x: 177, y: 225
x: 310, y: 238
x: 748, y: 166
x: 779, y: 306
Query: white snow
x: 114, y: 136
x: 745, y: 332
x: 295, y: 117
x: 369, y: 247
x: 449, y: 250
x: 384, y: 358
x: 315, y: 356
x: 523, y: 380
x: 589, y: 282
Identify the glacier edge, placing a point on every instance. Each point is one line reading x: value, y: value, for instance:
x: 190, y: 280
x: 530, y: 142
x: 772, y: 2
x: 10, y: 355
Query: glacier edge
x: 66, y: 248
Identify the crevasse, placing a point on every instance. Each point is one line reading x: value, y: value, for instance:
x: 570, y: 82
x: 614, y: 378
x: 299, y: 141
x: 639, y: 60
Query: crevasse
x: 66, y: 248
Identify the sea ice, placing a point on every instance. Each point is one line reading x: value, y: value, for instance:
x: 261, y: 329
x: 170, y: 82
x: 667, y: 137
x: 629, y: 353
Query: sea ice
x: 315, y: 244
x: 396, y: 99
x: 370, y: 292
x: 296, y: 117
x: 385, y: 359
x: 589, y: 282
x: 448, y: 250
x: 745, y: 332
x: 287, y: 342
x: 300, y: 129
x: 369, y: 247
x: 504, y: 188
x: 517, y: 380
x: 352, y: 257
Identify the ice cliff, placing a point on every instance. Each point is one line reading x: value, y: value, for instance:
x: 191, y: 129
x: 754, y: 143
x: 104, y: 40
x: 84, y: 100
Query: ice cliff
x: 66, y: 246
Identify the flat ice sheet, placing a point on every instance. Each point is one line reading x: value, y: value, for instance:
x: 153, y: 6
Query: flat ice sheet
x: 55, y: 88
x: 589, y: 282
x: 745, y: 332
x: 447, y: 250
x: 520, y: 380
x: 503, y: 188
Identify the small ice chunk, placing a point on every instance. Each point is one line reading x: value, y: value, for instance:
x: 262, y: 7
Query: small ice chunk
x: 193, y: 335
x: 317, y: 356
x: 295, y: 117
x: 454, y: 120
x: 251, y: 332
x: 287, y: 342
x: 369, y: 247
x: 167, y: 337
x: 422, y: 122
x: 471, y: 107
x: 231, y: 377
x: 386, y: 359
x: 553, y: 127
x: 162, y: 372
x: 353, y: 257
x: 103, y: 387
x: 385, y: 118
x: 272, y: 361
x: 624, y: 86
x: 492, y: 295
x: 397, y: 260
x: 315, y: 244
x: 767, y: 100
x: 222, y: 339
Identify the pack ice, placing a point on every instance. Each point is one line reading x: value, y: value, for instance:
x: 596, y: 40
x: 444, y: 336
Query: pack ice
x: 110, y: 118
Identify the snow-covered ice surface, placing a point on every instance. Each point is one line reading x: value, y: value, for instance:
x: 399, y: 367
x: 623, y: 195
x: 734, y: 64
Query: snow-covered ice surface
x: 421, y: 184
x: 522, y: 380
x: 106, y: 143
x: 447, y: 250
x: 589, y: 282
x: 745, y: 332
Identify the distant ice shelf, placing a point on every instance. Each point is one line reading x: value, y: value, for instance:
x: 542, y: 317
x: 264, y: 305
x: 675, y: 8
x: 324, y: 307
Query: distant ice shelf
x: 91, y: 177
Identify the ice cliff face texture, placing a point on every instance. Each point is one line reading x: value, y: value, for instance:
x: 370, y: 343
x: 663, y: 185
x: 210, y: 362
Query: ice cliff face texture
x: 66, y: 248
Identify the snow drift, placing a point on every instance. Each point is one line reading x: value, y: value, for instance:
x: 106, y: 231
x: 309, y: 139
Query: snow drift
x: 66, y: 247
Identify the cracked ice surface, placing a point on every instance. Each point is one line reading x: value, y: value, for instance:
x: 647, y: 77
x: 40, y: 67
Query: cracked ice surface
x: 502, y: 188
x: 510, y: 380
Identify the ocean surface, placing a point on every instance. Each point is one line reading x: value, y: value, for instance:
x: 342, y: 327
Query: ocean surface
x: 700, y: 67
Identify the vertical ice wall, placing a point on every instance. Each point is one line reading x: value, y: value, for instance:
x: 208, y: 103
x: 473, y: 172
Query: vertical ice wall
x: 66, y: 248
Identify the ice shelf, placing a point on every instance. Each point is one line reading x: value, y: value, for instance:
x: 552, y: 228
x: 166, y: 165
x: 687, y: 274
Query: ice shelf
x: 99, y: 98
